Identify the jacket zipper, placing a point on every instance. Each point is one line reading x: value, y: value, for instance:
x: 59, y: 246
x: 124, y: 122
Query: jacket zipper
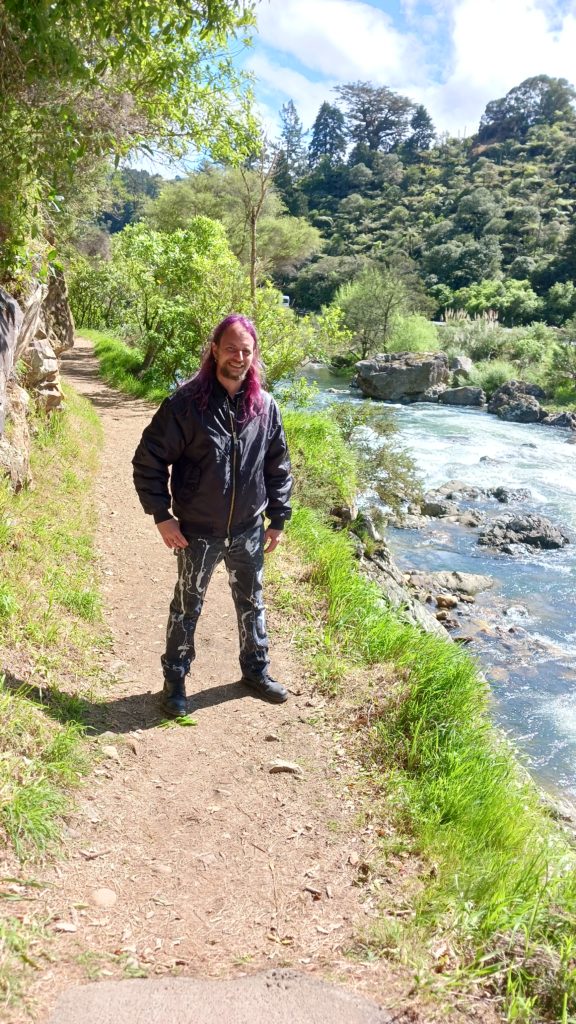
x: 233, y: 466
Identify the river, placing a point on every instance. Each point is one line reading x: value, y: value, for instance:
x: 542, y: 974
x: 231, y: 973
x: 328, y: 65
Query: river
x: 524, y: 629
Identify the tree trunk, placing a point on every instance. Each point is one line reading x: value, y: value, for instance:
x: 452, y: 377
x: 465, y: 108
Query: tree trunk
x: 253, y: 253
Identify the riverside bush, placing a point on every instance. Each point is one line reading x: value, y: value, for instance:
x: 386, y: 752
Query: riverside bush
x: 491, y: 374
x: 413, y: 334
x: 324, y: 465
x: 162, y: 293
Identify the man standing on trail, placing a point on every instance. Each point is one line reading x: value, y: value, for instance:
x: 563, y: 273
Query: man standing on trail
x: 223, y: 437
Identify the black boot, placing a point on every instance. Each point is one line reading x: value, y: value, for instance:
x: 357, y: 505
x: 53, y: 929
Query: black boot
x: 174, y: 697
x: 267, y: 688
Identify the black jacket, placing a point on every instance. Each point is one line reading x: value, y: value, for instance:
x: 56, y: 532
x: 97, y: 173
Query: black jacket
x: 225, y: 472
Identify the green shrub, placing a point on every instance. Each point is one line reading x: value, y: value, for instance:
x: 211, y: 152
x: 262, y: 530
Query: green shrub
x: 491, y: 374
x: 383, y: 464
x: 324, y: 465
x: 413, y: 334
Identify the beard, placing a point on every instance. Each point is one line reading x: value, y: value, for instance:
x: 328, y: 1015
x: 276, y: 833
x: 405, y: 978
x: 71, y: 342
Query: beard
x: 229, y: 373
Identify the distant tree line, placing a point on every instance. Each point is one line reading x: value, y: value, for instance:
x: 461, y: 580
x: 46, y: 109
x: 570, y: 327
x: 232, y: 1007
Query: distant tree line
x: 479, y: 224
x: 485, y: 222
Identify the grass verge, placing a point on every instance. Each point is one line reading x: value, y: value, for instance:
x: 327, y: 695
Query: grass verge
x: 120, y: 366
x: 50, y: 636
x: 499, y: 892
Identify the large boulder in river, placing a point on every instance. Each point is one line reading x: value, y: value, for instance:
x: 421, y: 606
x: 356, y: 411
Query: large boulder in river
x: 506, y: 532
x: 401, y: 375
x: 462, y: 396
x: 517, y: 402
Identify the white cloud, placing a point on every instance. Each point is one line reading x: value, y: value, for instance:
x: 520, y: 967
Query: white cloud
x: 456, y: 56
x: 344, y: 39
x: 496, y: 44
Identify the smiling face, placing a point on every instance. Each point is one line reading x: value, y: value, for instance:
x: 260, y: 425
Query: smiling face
x: 233, y: 356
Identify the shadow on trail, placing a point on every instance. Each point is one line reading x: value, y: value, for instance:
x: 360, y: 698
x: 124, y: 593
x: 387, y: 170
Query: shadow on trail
x: 125, y: 714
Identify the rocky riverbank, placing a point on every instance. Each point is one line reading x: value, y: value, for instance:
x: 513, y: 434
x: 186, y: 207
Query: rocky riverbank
x: 431, y: 377
x: 468, y: 608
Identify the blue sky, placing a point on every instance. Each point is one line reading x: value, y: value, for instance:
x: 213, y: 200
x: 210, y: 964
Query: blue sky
x: 453, y: 56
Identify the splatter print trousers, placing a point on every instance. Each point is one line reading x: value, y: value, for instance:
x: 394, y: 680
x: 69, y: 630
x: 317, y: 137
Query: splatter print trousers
x: 243, y: 557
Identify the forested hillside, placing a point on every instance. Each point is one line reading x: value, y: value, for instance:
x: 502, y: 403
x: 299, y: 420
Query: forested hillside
x: 482, y: 223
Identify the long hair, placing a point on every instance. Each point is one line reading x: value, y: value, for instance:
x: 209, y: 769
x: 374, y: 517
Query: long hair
x: 203, y: 381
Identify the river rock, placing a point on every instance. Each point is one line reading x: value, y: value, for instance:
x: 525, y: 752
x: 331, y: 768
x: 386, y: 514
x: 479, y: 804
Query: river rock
x: 461, y: 367
x: 455, y: 490
x: 506, y: 532
x: 469, y: 583
x: 395, y: 376
x: 517, y: 402
x: 561, y: 419
x: 507, y: 494
x: 462, y: 396
x: 439, y: 508
x: 470, y: 517
x: 381, y: 568
x: 433, y: 394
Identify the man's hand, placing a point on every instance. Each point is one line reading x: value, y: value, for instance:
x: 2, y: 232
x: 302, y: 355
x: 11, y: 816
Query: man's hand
x: 171, y: 534
x: 272, y: 539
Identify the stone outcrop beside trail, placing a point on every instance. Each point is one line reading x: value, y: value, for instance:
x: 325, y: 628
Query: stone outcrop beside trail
x: 34, y: 332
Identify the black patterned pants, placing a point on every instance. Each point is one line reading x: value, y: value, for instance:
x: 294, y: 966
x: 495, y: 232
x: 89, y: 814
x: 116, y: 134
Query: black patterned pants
x: 243, y: 557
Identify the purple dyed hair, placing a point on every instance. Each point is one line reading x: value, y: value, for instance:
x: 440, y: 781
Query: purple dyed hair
x: 203, y: 381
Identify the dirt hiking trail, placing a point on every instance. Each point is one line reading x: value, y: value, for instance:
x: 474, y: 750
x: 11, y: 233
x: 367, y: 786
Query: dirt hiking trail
x: 185, y: 854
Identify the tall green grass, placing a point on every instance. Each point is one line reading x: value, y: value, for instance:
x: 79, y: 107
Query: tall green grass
x: 51, y: 630
x: 121, y: 365
x: 505, y: 880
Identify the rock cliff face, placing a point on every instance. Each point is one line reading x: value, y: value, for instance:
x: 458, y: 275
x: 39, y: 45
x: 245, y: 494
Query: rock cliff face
x: 32, y: 334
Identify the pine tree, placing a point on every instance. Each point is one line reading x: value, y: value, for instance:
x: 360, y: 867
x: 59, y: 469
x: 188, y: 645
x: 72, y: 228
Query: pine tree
x: 422, y: 131
x: 291, y: 136
x: 328, y: 136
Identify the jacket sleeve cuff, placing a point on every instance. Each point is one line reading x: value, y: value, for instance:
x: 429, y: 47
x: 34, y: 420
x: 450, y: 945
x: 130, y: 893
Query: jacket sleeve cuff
x: 162, y: 517
x: 276, y: 524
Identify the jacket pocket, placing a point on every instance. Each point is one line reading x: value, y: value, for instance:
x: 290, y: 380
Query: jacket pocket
x: 185, y: 481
